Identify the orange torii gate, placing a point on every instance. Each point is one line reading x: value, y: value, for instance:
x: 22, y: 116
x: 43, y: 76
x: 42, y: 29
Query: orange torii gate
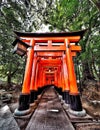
x: 49, y: 62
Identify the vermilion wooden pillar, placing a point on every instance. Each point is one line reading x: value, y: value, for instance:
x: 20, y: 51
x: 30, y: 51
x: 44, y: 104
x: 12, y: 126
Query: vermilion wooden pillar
x: 63, y: 81
x: 55, y: 77
x: 59, y: 87
x: 66, y: 87
x: 39, y: 75
x: 33, y: 90
x: 59, y: 77
x: 75, y: 101
x: 39, y: 87
x: 25, y: 95
x: 44, y: 78
x: 36, y: 81
x: 41, y: 79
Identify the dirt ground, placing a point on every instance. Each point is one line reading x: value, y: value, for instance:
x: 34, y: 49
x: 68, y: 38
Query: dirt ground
x: 90, y: 97
x: 13, y: 90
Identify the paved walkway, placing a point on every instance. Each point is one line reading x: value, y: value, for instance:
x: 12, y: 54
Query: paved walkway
x: 49, y: 114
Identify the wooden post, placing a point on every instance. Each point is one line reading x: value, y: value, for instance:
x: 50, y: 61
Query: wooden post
x: 60, y: 86
x: 75, y: 101
x: 32, y: 84
x: 55, y: 77
x: 25, y: 95
x: 59, y: 77
x: 41, y: 78
x: 63, y: 82
x: 36, y: 80
x: 28, y: 70
x: 66, y: 86
x: 44, y: 78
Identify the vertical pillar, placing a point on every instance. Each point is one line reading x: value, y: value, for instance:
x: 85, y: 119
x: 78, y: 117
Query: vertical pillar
x: 63, y: 82
x: 44, y: 78
x: 41, y: 78
x: 36, y: 80
x: 60, y: 80
x: 66, y: 86
x: 25, y: 95
x: 58, y: 73
x: 55, y: 77
x: 32, y: 84
x: 39, y: 75
x: 58, y: 88
x: 39, y: 81
x: 75, y: 101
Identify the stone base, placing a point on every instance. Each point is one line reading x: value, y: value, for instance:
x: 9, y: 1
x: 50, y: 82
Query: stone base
x: 22, y: 113
x: 66, y: 106
x: 60, y: 97
x: 62, y: 102
x: 77, y: 113
x: 79, y: 119
x: 24, y: 117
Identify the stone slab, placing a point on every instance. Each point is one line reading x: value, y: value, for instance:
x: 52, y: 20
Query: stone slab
x: 7, y: 121
x: 74, y: 119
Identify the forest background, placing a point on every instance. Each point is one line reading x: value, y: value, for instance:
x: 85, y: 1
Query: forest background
x: 51, y: 16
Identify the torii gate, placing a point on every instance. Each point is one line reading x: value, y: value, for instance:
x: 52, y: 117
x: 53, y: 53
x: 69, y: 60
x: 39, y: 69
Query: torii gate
x: 49, y: 61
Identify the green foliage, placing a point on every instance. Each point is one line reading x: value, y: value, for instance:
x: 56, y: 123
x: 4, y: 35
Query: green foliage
x: 9, y: 63
x: 60, y: 15
x: 76, y: 15
x: 21, y: 16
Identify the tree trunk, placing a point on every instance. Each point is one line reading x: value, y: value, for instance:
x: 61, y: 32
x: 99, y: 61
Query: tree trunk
x: 97, y: 75
x: 9, y: 79
x: 86, y: 72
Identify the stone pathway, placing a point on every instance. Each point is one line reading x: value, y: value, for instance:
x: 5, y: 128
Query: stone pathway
x: 49, y: 114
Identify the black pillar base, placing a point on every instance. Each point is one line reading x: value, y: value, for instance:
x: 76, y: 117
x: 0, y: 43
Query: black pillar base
x: 63, y: 95
x: 33, y: 96
x: 67, y: 97
x: 24, y: 102
x: 59, y: 90
x: 75, y: 103
x: 40, y: 90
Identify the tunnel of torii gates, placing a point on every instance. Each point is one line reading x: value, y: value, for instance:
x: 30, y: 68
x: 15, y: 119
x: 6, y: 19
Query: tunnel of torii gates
x: 49, y: 62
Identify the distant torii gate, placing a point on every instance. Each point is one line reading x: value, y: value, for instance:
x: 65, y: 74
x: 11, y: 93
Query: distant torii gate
x: 49, y: 62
